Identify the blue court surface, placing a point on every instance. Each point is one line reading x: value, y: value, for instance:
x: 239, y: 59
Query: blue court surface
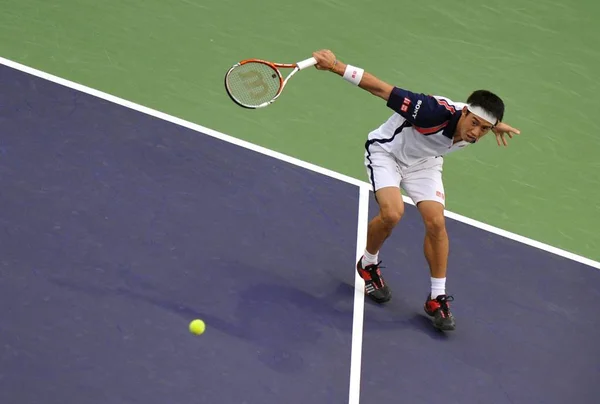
x: 118, y: 228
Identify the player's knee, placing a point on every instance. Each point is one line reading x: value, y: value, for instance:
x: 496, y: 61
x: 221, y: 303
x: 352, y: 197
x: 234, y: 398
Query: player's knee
x: 391, y: 216
x: 435, y: 225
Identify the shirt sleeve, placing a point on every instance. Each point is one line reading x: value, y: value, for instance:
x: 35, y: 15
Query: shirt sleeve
x: 421, y: 110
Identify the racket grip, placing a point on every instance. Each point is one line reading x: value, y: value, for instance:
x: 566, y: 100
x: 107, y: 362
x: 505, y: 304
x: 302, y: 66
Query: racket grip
x: 306, y: 63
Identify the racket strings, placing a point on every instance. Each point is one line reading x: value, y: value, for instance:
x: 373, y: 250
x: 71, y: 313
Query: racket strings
x: 253, y: 83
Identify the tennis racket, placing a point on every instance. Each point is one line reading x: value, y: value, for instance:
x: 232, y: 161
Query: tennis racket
x: 256, y: 83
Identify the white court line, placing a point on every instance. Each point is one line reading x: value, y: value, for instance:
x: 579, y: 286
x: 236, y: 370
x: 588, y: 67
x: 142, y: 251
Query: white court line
x: 359, y: 297
x: 283, y: 157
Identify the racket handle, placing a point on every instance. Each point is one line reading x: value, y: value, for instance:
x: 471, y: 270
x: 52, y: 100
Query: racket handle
x: 306, y: 63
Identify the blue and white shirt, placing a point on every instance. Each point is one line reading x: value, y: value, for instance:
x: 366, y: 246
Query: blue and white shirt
x: 421, y: 128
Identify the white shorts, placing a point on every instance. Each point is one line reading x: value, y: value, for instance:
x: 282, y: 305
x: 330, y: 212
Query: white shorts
x: 421, y: 182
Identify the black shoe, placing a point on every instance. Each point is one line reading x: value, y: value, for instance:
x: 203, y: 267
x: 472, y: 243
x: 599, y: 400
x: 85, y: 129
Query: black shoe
x: 439, y: 309
x: 375, y: 287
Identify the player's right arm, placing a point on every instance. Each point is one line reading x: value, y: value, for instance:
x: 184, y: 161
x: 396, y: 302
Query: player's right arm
x: 372, y: 84
x: 326, y: 60
x: 419, y: 109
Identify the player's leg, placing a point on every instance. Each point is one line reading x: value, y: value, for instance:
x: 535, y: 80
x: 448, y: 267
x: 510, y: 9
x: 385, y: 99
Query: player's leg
x: 436, y: 244
x: 385, y: 177
x: 391, y: 209
x: 426, y: 188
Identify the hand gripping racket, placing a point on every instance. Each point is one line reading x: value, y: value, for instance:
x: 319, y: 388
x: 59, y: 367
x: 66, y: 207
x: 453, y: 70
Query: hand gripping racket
x: 256, y: 83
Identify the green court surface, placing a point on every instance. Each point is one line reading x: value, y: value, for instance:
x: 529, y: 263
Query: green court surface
x: 540, y: 56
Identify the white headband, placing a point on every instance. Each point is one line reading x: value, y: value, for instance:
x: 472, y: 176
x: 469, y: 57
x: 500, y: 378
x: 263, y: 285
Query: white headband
x: 482, y: 113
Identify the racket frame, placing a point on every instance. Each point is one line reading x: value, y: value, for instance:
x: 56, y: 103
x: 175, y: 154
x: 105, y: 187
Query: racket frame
x: 275, y: 66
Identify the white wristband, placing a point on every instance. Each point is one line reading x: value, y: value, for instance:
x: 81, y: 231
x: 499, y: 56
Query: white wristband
x: 353, y: 74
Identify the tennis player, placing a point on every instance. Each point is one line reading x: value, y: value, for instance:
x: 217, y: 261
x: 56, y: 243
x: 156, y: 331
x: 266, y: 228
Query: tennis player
x: 406, y: 152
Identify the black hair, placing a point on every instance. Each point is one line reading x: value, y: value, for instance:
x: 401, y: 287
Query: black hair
x: 488, y: 101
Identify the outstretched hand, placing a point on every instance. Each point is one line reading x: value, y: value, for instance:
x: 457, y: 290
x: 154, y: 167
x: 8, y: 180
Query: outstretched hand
x: 502, y: 130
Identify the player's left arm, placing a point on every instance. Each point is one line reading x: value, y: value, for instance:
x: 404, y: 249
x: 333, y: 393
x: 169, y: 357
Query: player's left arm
x: 501, y: 130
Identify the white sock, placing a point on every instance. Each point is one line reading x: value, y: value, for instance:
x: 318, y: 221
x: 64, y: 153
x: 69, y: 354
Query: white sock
x: 438, y: 287
x: 369, y: 259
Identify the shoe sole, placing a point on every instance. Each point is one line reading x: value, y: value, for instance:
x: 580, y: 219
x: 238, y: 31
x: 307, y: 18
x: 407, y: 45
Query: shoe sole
x: 380, y: 301
x: 446, y: 327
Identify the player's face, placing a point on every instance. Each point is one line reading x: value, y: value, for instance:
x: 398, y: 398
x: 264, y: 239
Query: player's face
x: 472, y: 128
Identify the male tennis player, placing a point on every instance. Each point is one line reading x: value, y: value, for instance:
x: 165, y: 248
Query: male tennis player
x: 407, y: 152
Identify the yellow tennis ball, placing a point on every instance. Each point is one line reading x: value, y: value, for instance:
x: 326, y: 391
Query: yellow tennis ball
x: 197, y: 327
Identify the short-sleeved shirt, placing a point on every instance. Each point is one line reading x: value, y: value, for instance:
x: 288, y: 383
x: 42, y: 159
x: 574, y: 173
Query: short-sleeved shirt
x: 422, y: 127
